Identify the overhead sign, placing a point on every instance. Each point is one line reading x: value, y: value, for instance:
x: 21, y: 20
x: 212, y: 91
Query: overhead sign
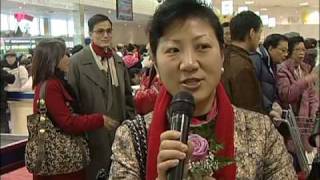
x: 124, y: 10
x: 227, y: 7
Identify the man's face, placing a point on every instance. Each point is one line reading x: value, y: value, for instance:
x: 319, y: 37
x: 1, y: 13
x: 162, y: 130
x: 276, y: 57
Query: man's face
x: 11, y: 59
x: 102, y: 34
x: 279, y: 53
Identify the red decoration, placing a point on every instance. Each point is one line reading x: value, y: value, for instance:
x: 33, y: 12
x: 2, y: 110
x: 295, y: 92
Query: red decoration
x: 20, y: 16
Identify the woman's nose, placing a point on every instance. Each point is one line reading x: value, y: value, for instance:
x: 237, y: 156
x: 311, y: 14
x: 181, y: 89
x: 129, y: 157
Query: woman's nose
x: 189, y: 61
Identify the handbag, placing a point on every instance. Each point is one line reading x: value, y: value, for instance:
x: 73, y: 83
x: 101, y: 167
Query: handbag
x: 49, y: 150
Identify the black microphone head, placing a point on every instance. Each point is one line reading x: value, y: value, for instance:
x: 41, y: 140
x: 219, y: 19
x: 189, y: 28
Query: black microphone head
x: 183, y: 103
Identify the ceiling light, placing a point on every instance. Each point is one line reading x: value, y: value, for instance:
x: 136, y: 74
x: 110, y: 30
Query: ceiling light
x: 263, y: 9
x: 20, y: 7
x: 304, y: 4
x: 249, y: 2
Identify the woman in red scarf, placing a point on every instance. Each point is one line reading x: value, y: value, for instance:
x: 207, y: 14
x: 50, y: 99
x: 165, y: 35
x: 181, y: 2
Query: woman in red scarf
x: 186, y: 40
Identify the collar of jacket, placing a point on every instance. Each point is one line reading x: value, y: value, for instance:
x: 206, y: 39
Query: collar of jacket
x: 239, y: 49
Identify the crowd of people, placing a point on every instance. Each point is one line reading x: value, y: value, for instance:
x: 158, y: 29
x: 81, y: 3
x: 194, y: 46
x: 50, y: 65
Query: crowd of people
x: 241, y: 87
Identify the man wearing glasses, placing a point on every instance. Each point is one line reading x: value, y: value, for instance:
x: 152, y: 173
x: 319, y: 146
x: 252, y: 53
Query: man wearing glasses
x: 101, y: 84
x: 272, y: 52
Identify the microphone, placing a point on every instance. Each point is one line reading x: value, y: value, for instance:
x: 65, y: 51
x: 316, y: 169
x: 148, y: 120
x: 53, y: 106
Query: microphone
x: 180, y: 115
x: 315, y: 132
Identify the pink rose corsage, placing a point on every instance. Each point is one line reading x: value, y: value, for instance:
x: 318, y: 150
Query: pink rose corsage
x: 200, y: 147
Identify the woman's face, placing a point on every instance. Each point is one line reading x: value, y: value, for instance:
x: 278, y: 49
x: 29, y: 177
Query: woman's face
x: 298, y: 52
x: 189, y: 58
x: 64, y: 63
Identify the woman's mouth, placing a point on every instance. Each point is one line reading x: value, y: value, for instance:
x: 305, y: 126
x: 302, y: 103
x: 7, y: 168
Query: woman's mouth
x: 191, y: 83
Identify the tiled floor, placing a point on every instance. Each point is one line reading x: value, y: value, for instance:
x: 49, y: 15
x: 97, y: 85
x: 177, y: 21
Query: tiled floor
x: 19, y: 174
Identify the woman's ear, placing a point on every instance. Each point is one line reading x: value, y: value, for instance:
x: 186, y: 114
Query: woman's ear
x: 157, y: 70
x: 222, y: 55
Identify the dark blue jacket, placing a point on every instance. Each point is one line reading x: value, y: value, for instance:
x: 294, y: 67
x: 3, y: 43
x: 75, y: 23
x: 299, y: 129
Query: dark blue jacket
x: 266, y: 74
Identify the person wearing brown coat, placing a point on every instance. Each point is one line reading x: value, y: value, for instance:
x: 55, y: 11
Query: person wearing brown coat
x: 239, y: 77
x: 102, y: 85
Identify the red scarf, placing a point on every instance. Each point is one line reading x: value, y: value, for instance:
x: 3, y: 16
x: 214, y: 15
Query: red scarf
x: 100, y: 51
x: 224, y: 131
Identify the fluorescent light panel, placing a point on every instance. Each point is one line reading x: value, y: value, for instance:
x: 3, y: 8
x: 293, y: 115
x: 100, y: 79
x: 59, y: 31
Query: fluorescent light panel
x: 304, y: 4
x: 249, y: 2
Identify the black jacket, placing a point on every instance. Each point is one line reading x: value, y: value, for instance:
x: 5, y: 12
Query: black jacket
x: 266, y: 75
x: 6, y: 78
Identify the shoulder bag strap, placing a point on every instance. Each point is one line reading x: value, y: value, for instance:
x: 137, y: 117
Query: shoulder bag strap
x: 138, y: 132
x: 42, y: 109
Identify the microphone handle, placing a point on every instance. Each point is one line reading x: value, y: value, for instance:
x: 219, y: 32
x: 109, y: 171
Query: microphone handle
x: 181, y: 123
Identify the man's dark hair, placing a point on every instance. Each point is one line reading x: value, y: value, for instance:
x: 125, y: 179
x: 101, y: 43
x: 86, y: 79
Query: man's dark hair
x: 171, y: 11
x: 273, y: 40
x: 225, y: 24
x: 242, y: 23
x: 45, y: 60
x: 97, y: 19
x: 293, y: 42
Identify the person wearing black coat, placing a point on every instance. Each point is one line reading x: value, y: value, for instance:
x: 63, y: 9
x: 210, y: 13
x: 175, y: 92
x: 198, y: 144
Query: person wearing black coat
x: 273, y: 51
x: 6, y: 78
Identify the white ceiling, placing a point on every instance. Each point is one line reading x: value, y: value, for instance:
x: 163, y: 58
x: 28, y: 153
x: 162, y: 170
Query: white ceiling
x: 65, y: 9
x: 273, y: 3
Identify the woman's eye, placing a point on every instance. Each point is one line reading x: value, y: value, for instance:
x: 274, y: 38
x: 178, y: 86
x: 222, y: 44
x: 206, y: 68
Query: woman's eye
x: 172, y: 50
x: 203, y: 46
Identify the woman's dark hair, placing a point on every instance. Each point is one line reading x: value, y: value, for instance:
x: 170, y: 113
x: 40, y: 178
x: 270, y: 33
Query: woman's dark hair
x: 45, y: 60
x: 172, y: 10
x: 130, y: 47
x: 97, y: 19
x: 293, y: 42
x: 310, y: 43
x: 242, y: 23
x: 273, y: 40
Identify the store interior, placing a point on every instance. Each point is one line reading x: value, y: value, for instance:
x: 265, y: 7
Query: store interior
x: 67, y: 19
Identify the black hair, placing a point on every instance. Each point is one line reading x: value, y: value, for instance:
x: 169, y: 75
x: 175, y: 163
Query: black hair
x: 310, y: 43
x: 172, y: 10
x: 130, y: 47
x: 45, y: 60
x: 273, y: 40
x: 293, y: 41
x: 242, y: 23
x: 97, y: 19
x: 76, y: 49
x: 226, y: 24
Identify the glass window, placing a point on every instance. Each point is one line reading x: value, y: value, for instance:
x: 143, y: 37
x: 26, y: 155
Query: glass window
x: 70, y: 28
x: 4, y: 22
x: 41, y: 25
x: 58, y: 27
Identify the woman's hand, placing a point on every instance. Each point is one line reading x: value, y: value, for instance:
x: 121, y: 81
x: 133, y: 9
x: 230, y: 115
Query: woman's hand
x: 171, y: 151
x: 311, y: 78
x: 109, y: 123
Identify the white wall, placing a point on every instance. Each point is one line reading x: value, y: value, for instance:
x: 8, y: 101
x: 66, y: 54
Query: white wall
x: 131, y: 33
x: 305, y: 30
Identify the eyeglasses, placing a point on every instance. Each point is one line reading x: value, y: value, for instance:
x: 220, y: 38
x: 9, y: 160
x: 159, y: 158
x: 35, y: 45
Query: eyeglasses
x: 103, y: 31
x: 283, y: 50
